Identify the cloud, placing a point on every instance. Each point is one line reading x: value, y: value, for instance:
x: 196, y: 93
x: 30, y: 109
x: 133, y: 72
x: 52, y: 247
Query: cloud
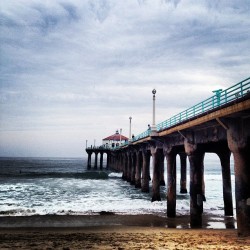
x: 86, y: 66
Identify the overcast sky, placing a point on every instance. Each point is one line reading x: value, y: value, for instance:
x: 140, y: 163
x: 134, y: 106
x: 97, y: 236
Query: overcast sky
x: 76, y: 70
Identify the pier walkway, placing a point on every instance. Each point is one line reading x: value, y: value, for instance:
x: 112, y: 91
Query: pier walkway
x: 220, y: 125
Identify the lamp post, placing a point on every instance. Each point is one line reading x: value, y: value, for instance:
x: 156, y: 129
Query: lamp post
x: 86, y: 143
x: 120, y: 136
x: 153, y: 127
x: 130, y: 118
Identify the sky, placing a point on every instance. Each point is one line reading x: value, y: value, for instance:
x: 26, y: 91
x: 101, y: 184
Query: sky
x: 72, y: 71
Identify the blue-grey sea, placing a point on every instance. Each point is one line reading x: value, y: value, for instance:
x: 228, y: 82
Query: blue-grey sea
x: 64, y: 186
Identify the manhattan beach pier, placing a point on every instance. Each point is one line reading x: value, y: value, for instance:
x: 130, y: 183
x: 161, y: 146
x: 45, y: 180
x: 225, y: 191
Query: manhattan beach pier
x: 219, y: 124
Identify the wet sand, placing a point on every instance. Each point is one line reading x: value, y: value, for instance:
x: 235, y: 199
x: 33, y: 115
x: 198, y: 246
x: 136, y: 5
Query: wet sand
x: 109, y: 219
x: 112, y: 232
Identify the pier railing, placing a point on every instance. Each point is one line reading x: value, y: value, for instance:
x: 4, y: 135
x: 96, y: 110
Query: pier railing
x: 102, y: 147
x: 221, y: 97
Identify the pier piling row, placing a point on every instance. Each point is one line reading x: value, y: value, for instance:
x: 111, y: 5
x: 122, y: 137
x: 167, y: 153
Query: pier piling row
x: 224, y: 131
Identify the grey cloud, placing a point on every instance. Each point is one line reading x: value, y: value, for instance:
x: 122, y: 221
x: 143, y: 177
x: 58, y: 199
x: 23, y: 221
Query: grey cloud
x: 100, y: 8
x: 78, y: 64
x: 174, y: 2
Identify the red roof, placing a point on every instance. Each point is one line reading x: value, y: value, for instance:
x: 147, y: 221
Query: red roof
x: 115, y: 137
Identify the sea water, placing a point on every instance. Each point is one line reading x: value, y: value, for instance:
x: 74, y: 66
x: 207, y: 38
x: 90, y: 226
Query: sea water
x: 64, y: 186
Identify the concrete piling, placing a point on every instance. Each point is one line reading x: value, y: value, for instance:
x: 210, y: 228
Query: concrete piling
x: 157, y: 158
x: 240, y: 147
x: 138, y: 169
x: 224, y: 156
x: 171, y: 190
x: 183, y: 180
x: 145, y: 170
x: 196, y: 159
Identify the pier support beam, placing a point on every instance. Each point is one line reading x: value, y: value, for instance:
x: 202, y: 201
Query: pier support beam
x: 138, y: 169
x: 118, y: 162
x: 171, y: 191
x: 111, y: 161
x: 125, y: 167
x: 183, y: 180
x: 101, y: 160
x: 196, y: 159
x: 121, y: 163
x: 224, y: 156
x: 133, y: 166
x: 89, y: 160
x: 162, y: 180
x: 96, y: 156
x: 108, y: 160
x: 129, y: 167
x: 157, y: 159
x: 114, y: 163
x: 145, y: 171
x: 239, y: 144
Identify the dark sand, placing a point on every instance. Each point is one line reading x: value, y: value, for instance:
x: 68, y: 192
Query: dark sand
x: 107, y: 219
x: 114, y: 232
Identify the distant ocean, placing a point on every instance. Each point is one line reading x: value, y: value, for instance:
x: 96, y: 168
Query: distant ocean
x: 64, y: 186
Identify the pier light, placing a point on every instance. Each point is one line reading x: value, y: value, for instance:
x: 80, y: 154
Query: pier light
x: 153, y: 127
x: 120, y: 136
x: 130, y: 118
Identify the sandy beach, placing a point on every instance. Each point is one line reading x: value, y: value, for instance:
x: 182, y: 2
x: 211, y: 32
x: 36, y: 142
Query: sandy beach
x: 112, y: 232
x: 121, y: 237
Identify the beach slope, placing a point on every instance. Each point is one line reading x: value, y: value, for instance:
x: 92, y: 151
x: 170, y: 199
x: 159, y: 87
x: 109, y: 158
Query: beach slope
x: 120, y: 237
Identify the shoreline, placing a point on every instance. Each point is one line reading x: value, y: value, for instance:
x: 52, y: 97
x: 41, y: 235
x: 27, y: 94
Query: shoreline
x: 112, y: 231
x: 110, y: 219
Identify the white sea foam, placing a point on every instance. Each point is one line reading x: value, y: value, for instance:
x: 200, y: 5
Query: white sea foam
x: 91, y: 194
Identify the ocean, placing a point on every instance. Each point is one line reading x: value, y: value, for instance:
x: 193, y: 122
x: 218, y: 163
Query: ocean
x: 64, y: 186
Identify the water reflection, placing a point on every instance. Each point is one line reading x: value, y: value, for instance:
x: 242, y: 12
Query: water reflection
x: 208, y: 221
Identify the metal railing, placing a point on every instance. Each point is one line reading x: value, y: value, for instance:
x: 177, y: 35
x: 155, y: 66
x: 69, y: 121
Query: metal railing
x: 98, y: 147
x: 107, y: 147
x: 220, y: 98
x: 142, y: 135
